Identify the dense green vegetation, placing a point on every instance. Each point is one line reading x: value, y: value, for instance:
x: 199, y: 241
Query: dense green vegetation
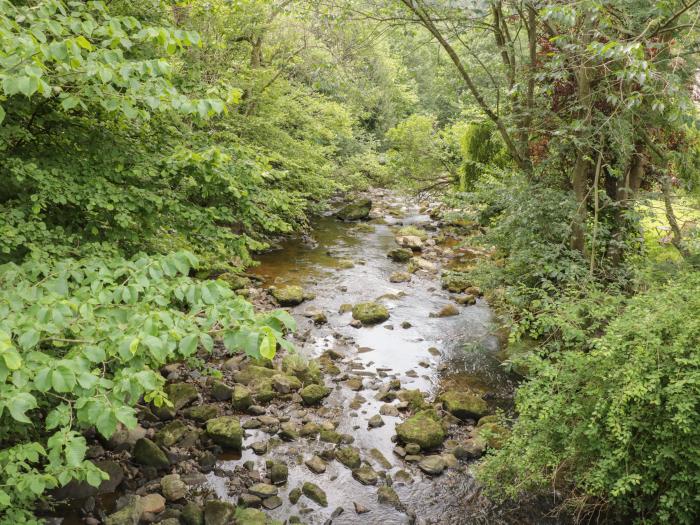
x: 143, y: 143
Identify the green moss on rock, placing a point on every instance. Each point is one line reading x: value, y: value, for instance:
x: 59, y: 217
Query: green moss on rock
x: 423, y: 429
x: 226, y: 431
x: 370, y: 313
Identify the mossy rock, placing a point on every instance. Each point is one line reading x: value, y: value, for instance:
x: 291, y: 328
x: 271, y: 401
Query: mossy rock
x: 315, y: 493
x: 226, y: 431
x: 234, y: 281
x: 313, y: 394
x: 218, y: 513
x: 412, y: 231
x: 290, y: 295
x: 355, y: 211
x: 423, y: 429
x: 171, y: 433
x: 400, y: 254
x: 456, y: 282
x: 492, y: 432
x: 201, y: 413
x: 370, y: 313
x: 348, y: 456
x: 464, y: 405
x: 192, y: 514
x: 241, y: 398
x: 253, y: 373
x: 220, y: 391
x: 414, y: 398
x: 147, y: 453
x: 250, y: 517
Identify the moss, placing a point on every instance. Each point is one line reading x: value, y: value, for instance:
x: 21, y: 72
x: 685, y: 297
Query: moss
x: 370, y: 313
x: 423, y: 429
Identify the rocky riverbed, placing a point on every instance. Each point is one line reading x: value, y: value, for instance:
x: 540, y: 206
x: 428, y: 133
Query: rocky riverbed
x: 378, y: 417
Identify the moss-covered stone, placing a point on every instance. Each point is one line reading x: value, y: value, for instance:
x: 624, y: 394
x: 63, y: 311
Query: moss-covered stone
x: 253, y: 373
x: 201, y: 413
x: 218, y: 513
x: 348, y: 456
x: 490, y: 430
x: 171, y: 433
x: 423, y: 429
x: 241, y: 398
x: 414, y: 398
x: 400, y: 254
x: 226, y: 431
x: 370, y: 313
x: 192, y: 514
x: 313, y: 394
x: 456, y: 282
x: 464, y: 405
x: 290, y: 295
x: 234, y: 281
x: 147, y: 453
x: 355, y: 211
x: 250, y: 517
x: 315, y: 493
x: 220, y: 391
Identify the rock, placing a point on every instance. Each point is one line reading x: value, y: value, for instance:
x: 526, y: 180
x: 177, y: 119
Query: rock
x: 171, y: 433
x: 412, y: 448
x: 201, y: 413
x: 129, y: 514
x: 252, y: 374
x: 147, y: 453
x: 271, y: 503
x: 388, y: 410
x: 152, y: 503
x: 400, y: 277
x: 355, y: 211
x: 375, y: 421
x: 82, y: 489
x: 470, y: 449
x: 449, y: 310
x: 348, y: 456
x: 259, y: 447
x: 173, y: 487
x: 455, y: 282
x: 285, y: 384
x: 380, y: 458
x: 226, y: 431
x: 400, y: 255
x: 365, y: 475
x: 290, y: 295
x: 221, y: 391
x: 463, y: 404
x: 370, y: 313
x: 414, y: 398
x: 181, y: 394
x: 314, y: 493
x: 388, y: 496
x: 423, y: 429
x: 412, y: 242
x: 241, y: 398
x: 465, y: 299
x: 491, y: 431
x: 316, y: 465
x: 345, y: 308
x: 278, y: 472
x: 359, y: 508
x: 249, y: 500
x: 263, y: 490
x: 433, y: 465
x: 317, y: 316
x: 400, y: 451
x: 125, y: 438
x: 192, y: 514
x: 218, y: 513
x: 419, y: 263
x: 354, y: 383
x: 294, y: 496
x: 250, y: 517
x: 313, y: 394
x: 309, y: 429
x: 356, y: 323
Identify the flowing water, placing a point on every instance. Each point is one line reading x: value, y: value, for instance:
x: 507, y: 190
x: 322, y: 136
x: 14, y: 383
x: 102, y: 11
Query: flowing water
x: 465, y: 356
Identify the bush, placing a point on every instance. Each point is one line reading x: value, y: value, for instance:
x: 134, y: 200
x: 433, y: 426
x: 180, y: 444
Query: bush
x: 615, y: 430
x: 81, y: 342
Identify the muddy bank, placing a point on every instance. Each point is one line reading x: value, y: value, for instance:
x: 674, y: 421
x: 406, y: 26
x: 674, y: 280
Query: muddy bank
x: 312, y: 438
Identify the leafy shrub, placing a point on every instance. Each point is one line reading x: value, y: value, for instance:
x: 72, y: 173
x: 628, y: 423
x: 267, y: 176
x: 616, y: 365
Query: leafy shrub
x: 615, y: 429
x: 81, y: 342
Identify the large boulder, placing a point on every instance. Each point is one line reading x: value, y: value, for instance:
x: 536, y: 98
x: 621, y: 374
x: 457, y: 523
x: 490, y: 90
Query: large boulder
x: 218, y: 513
x: 290, y: 295
x: 252, y: 374
x: 411, y: 242
x: 355, y: 211
x: 226, y: 431
x: 464, y: 405
x: 370, y: 313
x: 423, y: 429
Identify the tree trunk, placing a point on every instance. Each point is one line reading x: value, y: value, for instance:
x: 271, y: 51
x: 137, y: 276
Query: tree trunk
x: 582, y: 167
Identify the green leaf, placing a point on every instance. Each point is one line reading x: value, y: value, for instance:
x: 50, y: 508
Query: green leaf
x: 127, y: 416
x: 29, y: 339
x: 62, y: 379
x: 20, y: 403
x: 95, y: 354
x: 268, y: 345
x: 188, y: 345
x: 12, y: 359
x: 106, y: 423
x: 84, y: 43
x: 75, y: 451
